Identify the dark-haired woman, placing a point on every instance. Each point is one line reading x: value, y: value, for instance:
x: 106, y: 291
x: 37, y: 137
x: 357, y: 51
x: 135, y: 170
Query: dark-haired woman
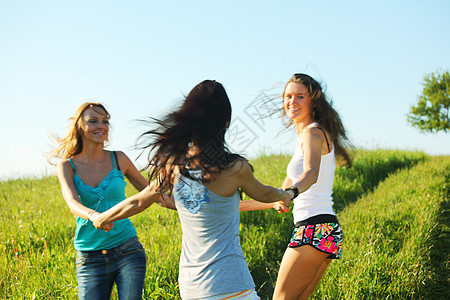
x: 188, y: 157
x: 317, y: 237
x: 92, y: 180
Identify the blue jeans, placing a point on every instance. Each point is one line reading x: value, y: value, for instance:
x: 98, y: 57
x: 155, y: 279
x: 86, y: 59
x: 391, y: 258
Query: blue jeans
x: 124, y: 265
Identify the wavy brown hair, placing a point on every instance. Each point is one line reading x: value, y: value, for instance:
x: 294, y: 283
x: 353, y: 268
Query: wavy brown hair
x: 201, y: 120
x: 324, y: 114
x: 72, y: 143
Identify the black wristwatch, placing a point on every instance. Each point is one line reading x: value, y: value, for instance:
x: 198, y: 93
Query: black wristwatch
x: 293, y: 189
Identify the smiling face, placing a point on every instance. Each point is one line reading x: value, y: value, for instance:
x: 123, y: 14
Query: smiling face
x: 95, y: 125
x: 297, y: 103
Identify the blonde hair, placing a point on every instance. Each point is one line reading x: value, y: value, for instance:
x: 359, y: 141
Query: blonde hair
x: 72, y: 144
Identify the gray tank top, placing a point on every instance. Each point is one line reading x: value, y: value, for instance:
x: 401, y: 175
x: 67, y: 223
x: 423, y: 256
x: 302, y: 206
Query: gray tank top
x: 211, y: 260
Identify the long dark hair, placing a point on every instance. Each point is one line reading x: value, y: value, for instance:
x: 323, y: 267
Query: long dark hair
x: 200, y: 121
x: 324, y: 114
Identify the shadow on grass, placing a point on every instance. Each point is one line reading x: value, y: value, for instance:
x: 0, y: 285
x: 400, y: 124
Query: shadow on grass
x: 370, y: 168
x: 437, y: 286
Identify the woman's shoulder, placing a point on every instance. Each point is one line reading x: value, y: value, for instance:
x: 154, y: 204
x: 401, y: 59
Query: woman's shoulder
x: 314, y: 127
x: 64, y: 167
x: 64, y: 163
x: 315, y: 131
x: 317, y: 135
x: 239, y: 166
x: 122, y: 158
x: 116, y: 152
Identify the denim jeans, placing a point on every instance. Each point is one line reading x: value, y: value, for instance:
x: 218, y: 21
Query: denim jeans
x: 124, y: 265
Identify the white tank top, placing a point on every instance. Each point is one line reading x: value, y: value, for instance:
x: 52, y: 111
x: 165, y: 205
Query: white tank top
x: 317, y: 199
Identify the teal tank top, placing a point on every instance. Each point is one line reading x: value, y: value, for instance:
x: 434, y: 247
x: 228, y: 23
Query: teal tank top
x: 101, y: 198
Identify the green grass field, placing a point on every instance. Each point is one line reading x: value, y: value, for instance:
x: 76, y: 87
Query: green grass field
x: 393, y: 206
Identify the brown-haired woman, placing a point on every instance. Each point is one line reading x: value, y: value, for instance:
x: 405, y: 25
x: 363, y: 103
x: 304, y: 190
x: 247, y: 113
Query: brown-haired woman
x: 317, y: 236
x: 92, y: 181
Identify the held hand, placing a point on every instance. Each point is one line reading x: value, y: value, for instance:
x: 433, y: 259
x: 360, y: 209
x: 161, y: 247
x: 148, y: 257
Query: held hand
x: 108, y: 227
x: 96, y: 220
x: 283, y: 205
x: 287, y: 197
x: 280, y: 207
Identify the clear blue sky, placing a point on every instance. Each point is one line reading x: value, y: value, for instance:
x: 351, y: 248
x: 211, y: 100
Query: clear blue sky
x: 140, y: 57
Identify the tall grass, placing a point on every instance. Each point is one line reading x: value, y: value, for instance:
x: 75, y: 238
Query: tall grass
x: 37, y: 257
x: 396, y: 244
x: 273, y: 230
x: 36, y: 252
x: 388, y: 203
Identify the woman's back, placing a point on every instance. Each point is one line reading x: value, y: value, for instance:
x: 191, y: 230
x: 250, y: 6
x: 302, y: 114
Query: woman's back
x: 211, y: 260
x: 227, y: 182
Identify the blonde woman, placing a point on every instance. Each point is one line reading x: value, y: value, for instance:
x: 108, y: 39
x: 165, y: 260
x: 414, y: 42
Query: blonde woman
x: 317, y: 237
x: 92, y: 181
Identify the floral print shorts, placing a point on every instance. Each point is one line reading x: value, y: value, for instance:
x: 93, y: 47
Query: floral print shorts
x: 324, y: 236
